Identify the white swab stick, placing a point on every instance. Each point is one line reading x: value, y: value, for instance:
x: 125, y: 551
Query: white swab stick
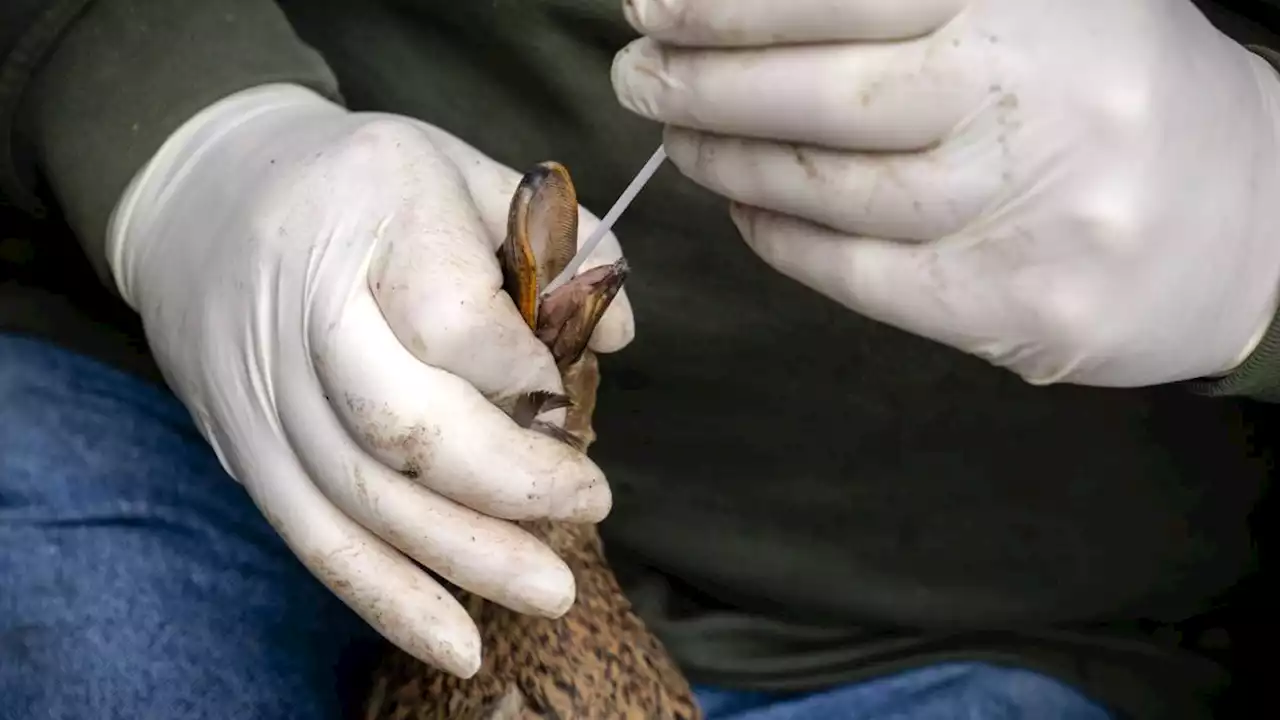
x: 609, y: 219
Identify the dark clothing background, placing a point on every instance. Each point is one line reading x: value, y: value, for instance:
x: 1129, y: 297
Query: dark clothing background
x: 803, y: 496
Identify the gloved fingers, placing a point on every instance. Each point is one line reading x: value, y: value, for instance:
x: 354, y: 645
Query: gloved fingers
x: 999, y: 294
x: 728, y: 23
x: 397, y: 598
x: 880, y: 97
x: 435, y: 427
x: 922, y: 288
x: 487, y: 556
x: 492, y: 186
x: 436, y: 278
x: 904, y: 196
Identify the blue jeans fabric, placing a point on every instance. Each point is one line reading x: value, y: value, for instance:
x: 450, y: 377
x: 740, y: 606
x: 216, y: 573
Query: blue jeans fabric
x: 138, y: 581
x: 950, y: 691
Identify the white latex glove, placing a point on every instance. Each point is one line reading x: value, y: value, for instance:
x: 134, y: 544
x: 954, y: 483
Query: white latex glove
x: 1084, y: 191
x: 321, y: 290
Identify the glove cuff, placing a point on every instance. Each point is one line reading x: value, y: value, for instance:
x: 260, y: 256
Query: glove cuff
x: 222, y: 125
x: 1258, y: 377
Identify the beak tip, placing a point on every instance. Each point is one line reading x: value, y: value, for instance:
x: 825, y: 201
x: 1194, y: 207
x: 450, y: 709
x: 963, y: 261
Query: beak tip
x: 619, y: 270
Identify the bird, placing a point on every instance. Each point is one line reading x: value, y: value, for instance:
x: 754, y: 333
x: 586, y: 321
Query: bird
x: 599, y: 660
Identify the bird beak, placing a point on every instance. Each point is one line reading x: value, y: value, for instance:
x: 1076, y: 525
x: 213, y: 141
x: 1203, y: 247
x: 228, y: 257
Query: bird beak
x: 569, y: 314
x: 542, y: 237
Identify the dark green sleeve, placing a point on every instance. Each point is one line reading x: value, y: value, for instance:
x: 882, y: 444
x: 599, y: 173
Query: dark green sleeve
x: 28, y: 30
x: 1258, y: 377
x: 103, y: 93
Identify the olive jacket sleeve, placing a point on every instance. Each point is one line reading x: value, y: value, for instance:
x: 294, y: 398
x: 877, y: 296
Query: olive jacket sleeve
x: 90, y: 89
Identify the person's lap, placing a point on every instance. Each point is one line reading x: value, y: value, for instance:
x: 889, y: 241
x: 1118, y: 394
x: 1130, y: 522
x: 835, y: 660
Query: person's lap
x: 139, y: 581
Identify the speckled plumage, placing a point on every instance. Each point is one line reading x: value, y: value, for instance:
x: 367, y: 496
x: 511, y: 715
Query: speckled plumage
x: 598, y: 661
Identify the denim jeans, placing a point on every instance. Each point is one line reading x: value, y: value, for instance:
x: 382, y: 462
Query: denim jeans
x: 138, y: 581
x: 950, y: 691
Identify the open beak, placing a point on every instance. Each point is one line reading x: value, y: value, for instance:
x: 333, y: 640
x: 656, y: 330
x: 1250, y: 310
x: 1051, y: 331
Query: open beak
x: 542, y: 237
x: 568, y: 315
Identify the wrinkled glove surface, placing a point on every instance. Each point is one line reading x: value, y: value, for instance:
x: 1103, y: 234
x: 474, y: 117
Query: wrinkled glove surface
x: 1083, y: 192
x: 320, y: 288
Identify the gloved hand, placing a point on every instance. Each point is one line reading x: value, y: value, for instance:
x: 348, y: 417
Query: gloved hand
x: 321, y: 290
x: 1084, y: 191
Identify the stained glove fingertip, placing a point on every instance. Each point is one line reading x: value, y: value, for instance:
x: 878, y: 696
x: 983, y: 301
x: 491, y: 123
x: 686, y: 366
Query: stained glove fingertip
x: 455, y: 649
x: 545, y: 591
x: 590, y: 504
